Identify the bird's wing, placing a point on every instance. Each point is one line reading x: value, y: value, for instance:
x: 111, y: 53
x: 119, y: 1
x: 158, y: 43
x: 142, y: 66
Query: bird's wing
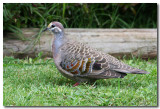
x: 84, y: 61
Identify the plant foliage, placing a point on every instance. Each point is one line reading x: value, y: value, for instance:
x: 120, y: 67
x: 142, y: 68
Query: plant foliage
x: 80, y: 15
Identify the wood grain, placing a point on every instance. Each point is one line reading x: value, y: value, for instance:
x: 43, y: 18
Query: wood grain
x: 118, y: 42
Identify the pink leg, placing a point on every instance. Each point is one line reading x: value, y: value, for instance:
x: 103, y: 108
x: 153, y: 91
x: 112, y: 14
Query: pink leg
x: 76, y: 84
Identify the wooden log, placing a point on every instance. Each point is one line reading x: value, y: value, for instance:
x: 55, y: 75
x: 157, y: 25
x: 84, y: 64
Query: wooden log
x: 117, y: 42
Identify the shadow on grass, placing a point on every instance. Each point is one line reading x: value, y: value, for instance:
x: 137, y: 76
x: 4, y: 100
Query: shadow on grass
x: 123, y: 82
x: 113, y: 82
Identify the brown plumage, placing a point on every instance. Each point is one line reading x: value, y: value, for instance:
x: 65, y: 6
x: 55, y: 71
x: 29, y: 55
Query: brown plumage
x: 82, y: 63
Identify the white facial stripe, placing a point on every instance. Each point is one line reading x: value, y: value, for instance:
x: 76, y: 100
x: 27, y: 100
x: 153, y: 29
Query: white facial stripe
x: 56, y: 28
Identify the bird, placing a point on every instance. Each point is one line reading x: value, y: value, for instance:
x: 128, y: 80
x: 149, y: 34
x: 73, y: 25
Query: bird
x: 81, y: 63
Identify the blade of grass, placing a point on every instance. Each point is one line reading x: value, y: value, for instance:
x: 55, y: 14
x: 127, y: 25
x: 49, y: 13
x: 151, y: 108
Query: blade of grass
x: 64, y: 9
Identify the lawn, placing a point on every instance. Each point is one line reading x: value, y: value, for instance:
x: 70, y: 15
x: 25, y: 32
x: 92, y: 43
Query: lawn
x: 37, y: 82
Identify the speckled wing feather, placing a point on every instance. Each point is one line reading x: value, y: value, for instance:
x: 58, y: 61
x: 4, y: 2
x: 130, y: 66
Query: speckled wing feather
x: 84, y: 61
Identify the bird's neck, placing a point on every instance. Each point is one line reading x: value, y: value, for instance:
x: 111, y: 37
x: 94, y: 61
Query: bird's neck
x: 57, y: 43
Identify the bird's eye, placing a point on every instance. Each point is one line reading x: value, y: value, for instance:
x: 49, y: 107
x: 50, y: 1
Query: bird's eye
x: 53, y: 26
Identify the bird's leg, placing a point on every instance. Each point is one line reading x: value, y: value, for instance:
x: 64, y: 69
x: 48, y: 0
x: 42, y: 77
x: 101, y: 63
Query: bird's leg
x: 76, y: 84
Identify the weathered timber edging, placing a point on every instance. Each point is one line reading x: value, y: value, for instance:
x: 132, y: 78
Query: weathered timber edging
x: 118, y: 42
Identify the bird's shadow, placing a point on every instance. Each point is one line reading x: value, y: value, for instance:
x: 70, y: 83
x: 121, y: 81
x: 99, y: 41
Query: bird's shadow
x: 63, y: 82
x: 113, y: 82
x: 99, y: 83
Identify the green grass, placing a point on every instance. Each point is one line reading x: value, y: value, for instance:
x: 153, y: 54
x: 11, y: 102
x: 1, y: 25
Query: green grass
x: 37, y: 82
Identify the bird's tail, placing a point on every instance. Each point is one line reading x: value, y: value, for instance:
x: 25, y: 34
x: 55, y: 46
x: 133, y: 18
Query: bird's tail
x: 132, y: 71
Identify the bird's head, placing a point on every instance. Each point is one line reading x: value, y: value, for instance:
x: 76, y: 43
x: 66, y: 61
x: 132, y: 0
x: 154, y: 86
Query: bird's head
x: 55, y: 27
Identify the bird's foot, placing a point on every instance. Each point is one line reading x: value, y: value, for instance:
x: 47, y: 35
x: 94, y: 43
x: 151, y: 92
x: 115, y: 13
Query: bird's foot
x: 76, y: 84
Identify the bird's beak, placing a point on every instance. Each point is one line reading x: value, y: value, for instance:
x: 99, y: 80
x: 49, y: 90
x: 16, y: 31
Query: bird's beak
x: 45, y: 30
